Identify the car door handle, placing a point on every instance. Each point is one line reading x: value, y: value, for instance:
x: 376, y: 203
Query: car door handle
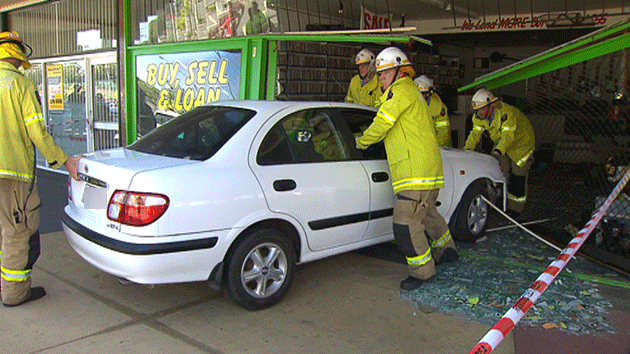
x: 283, y: 185
x: 380, y: 177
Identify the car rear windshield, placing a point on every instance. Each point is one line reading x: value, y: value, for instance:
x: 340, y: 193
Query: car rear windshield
x: 195, y: 135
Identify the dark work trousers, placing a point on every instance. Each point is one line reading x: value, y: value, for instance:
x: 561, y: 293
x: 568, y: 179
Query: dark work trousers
x: 420, y: 231
x: 517, y: 178
x: 19, y: 235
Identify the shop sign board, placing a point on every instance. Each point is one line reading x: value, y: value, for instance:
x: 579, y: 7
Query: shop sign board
x: 178, y: 82
x: 561, y: 20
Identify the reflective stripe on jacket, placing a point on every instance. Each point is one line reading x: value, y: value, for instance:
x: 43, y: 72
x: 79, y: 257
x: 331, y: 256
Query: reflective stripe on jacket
x: 368, y: 94
x: 439, y: 114
x: 510, y: 130
x: 23, y: 127
x: 403, y: 121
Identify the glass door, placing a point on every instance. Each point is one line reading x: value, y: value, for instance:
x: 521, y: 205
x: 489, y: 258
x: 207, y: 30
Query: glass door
x: 80, y: 101
x: 104, y: 113
x: 65, y: 104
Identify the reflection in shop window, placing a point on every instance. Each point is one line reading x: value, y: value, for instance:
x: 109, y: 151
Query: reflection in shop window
x: 177, y: 21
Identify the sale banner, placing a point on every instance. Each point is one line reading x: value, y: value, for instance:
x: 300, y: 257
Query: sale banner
x: 372, y: 20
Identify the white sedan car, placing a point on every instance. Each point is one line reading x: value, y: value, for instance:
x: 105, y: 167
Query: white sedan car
x: 238, y: 192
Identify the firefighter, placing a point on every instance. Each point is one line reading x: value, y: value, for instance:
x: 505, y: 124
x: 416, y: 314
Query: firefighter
x: 437, y: 110
x: 258, y: 22
x: 415, y: 161
x: 23, y: 129
x: 366, y: 87
x: 514, y: 143
x: 324, y: 138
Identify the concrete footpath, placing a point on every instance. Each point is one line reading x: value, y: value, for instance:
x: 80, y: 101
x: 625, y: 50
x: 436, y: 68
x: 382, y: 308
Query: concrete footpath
x: 345, y: 304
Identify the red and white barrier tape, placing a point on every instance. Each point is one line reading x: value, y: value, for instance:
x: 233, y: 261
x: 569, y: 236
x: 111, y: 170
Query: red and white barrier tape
x: 500, y: 330
x: 67, y: 123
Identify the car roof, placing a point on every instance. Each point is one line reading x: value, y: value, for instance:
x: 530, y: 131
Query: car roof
x: 274, y: 106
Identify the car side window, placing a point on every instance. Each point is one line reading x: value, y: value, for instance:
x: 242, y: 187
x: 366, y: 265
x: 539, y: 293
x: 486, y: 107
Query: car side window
x: 358, y: 121
x: 302, y: 137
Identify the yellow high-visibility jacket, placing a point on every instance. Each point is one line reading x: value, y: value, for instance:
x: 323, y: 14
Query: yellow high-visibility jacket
x: 368, y: 94
x: 510, y: 130
x: 403, y: 121
x: 23, y: 127
x: 326, y: 146
x: 439, y: 114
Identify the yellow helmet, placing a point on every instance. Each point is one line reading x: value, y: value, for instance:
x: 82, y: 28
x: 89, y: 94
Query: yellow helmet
x: 12, y: 46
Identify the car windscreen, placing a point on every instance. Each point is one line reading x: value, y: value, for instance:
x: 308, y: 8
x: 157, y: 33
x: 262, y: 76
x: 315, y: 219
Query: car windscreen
x: 195, y: 135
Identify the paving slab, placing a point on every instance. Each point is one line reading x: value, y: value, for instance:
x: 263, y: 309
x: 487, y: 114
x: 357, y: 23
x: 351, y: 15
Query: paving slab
x: 137, y: 338
x: 64, y: 315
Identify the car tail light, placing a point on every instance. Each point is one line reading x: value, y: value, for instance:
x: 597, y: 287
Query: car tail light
x: 136, y: 209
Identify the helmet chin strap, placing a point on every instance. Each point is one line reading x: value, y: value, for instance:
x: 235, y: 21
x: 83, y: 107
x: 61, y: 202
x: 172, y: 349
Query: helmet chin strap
x: 489, y: 113
x: 394, y: 78
x: 362, y: 76
x: 396, y: 75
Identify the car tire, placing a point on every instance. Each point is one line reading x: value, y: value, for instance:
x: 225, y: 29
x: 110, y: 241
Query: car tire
x: 260, y: 269
x: 469, y: 221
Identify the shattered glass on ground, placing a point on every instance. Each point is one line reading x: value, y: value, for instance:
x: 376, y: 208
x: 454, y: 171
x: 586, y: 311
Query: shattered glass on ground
x: 495, y: 272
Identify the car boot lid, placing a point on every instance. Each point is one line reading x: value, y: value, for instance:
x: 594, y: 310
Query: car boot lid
x: 135, y: 161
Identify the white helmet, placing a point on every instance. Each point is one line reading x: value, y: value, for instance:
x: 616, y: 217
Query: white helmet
x: 482, y: 98
x: 364, y: 56
x: 391, y: 57
x: 424, y: 83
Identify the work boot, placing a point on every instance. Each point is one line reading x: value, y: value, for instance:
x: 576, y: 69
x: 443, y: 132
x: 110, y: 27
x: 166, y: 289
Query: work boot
x: 37, y: 293
x: 449, y: 255
x: 411, y: 283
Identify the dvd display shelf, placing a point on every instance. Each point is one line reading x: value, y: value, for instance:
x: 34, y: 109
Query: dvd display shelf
x: 322, y: 71
x: 445, y: 71
x: 315, y: 70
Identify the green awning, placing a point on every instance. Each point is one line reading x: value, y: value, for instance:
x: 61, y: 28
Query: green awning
x: 604, y: 41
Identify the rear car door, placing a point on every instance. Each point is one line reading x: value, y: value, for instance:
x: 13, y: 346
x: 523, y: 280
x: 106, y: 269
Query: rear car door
x: 306, y: 170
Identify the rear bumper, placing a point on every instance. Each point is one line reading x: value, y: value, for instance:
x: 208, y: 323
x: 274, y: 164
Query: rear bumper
x: 145, y: 263
x: 136, y: 248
